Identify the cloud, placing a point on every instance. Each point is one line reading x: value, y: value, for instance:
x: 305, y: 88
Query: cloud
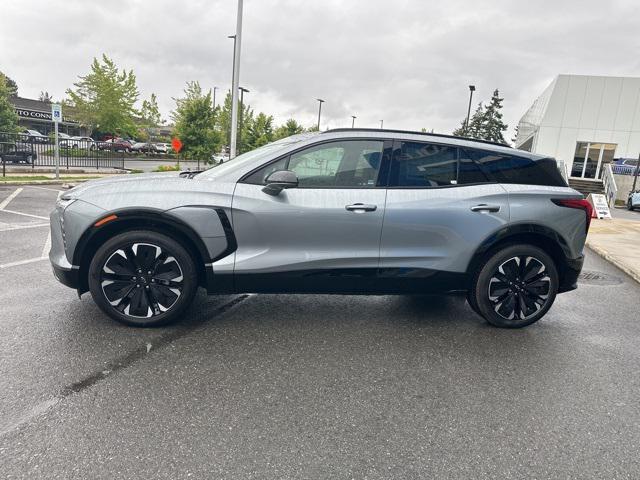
x: 407, y: 62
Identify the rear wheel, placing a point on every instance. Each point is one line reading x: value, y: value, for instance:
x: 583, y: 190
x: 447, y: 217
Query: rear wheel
x: 142, y: 278
x: 516, y: 286
x: 629, y: 204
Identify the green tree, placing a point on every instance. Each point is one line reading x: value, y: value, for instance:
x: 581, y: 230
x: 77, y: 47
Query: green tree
x: 493, y: 128
x: 104, y: 99
x: 8, y: 115
x: 260, y: 132
x: 150, y: 113
x: 195, y: 126
x: 11, y: 85
x: 223, y: 122
x: 291, y: 127
x: 45, y: 97
x: 476, y: 124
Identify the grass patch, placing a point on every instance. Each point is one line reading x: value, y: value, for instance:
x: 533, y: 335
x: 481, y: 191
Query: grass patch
x: 168, y: 168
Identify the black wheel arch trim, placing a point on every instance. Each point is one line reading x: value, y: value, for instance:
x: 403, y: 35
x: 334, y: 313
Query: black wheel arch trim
x: 157, y: 217
x: 565, y: 258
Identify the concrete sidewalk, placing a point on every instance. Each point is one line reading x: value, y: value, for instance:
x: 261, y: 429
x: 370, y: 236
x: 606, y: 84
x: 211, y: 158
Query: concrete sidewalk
x: 618, y: 241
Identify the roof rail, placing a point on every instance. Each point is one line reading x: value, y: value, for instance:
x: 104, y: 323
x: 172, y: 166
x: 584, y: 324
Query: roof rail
x: 442, y: 135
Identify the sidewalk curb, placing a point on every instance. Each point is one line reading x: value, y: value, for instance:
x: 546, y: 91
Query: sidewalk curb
x: 38, y: 182
x: 611, y: 259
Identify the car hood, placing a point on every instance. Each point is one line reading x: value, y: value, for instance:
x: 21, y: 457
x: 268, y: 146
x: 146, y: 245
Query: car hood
x: 128, y: 182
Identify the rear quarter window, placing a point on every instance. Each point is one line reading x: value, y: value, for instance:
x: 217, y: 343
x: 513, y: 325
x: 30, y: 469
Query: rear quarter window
x: 515, y: 169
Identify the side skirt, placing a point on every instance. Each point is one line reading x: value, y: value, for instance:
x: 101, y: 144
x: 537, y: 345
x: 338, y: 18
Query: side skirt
x: 385, y: 281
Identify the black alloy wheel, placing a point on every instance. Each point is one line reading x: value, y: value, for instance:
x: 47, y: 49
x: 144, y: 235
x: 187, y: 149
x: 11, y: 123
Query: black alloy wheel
x: 516, y: 286
x: 519, y: 288
x: 142, y: 278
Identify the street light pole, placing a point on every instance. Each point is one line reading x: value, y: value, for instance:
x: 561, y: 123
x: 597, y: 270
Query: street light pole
x: 381, y: 124
x: 237, y: 45
x: 320, y: 102
x: 472, y: 88
x: 214, y: 98
x: 242, y: 90
x: 353, y: 120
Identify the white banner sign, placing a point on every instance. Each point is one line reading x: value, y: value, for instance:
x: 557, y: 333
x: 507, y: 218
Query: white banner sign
x: 600, y: 205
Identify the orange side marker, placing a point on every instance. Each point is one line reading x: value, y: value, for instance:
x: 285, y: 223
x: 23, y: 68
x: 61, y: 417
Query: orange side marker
x: 99, y: 223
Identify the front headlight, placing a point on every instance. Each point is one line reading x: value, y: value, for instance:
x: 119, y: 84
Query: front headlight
x: 63, y: 202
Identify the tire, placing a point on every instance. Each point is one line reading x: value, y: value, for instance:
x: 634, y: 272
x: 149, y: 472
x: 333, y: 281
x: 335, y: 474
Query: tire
x: 629, y: 205
x: 29, y: 159
x: 123, y: 288
x: 515, y: 287
x: 471, y: 300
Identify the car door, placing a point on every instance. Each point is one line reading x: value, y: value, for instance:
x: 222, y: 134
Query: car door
x: 440, y: 207
x: 324, y: 235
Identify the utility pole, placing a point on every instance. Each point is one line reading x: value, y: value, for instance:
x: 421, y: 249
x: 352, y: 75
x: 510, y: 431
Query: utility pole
x: 214, y: 98
x: 353, y: 120
x: 320, y: 102
x: 381, y: 124
x: 472, y: 88
x: 237, y: 45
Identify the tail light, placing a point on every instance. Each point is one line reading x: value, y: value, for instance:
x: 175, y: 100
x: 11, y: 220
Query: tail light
x: 580, y: 204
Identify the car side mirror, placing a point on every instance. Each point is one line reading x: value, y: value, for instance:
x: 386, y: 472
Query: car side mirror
x: 279, y: 180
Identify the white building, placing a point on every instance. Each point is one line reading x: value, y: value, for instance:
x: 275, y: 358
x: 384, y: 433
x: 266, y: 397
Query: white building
x: 584, y: 122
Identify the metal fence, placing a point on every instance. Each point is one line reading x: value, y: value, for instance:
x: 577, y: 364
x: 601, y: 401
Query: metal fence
x: 39, y: 151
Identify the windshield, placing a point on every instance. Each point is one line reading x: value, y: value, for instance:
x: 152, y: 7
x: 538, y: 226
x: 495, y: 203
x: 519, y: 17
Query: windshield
x: 266, y: 151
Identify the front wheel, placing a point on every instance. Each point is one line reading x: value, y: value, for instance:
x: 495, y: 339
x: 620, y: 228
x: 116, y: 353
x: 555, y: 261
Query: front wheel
x: 629, y: 205
x: 516, y: 286
x: 143, y: 278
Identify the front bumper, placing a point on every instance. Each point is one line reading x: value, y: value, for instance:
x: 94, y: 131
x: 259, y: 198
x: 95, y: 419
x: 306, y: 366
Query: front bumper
x: 64, y: 271
x: 70, y: 278
x: 569, y: 274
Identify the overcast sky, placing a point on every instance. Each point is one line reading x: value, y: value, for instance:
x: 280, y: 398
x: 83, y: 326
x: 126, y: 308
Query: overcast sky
x: 408, y: 62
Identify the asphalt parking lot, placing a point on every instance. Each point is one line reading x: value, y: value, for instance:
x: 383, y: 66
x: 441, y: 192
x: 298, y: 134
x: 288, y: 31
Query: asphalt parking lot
x: 312, y: 386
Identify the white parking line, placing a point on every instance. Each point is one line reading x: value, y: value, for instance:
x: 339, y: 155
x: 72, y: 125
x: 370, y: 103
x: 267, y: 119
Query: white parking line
x: 7, y: 200
x: 24, y: 214
x: 16, y: 226
x: 47, y: 246
x: 23, y: 262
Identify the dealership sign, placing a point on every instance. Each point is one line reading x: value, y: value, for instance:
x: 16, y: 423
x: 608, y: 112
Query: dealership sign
x: 36, y: 115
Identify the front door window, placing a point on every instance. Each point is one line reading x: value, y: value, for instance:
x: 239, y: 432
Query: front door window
x: 590, y: 159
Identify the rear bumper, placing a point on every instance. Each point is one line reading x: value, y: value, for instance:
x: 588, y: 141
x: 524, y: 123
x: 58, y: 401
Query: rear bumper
x: 569, y: 274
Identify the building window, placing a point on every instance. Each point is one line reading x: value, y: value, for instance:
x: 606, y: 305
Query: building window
x: 590, y: 159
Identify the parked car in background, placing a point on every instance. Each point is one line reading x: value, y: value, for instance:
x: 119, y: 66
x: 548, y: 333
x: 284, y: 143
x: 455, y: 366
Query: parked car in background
x: 163, y: 147
x: 624, y: 166
x: 19, y: 153
x: 35, y: 136
x: 218, y: 158
x: 144, y: 147
x: 633, y: 201
x: 305, y: 215
x: 78, y: 142
x: 115, y: 144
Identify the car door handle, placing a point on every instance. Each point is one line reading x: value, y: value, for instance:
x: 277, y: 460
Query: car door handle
x: 483, y: 207
x: 361, y: 208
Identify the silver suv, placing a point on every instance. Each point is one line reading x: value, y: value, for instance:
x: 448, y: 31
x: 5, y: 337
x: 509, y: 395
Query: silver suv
x: 348, y: 211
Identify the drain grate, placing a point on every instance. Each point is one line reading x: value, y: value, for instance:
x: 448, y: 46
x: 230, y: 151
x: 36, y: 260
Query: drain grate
x: 590, y: 277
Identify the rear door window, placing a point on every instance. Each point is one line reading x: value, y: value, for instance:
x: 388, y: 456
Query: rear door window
x: 424, y: 165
